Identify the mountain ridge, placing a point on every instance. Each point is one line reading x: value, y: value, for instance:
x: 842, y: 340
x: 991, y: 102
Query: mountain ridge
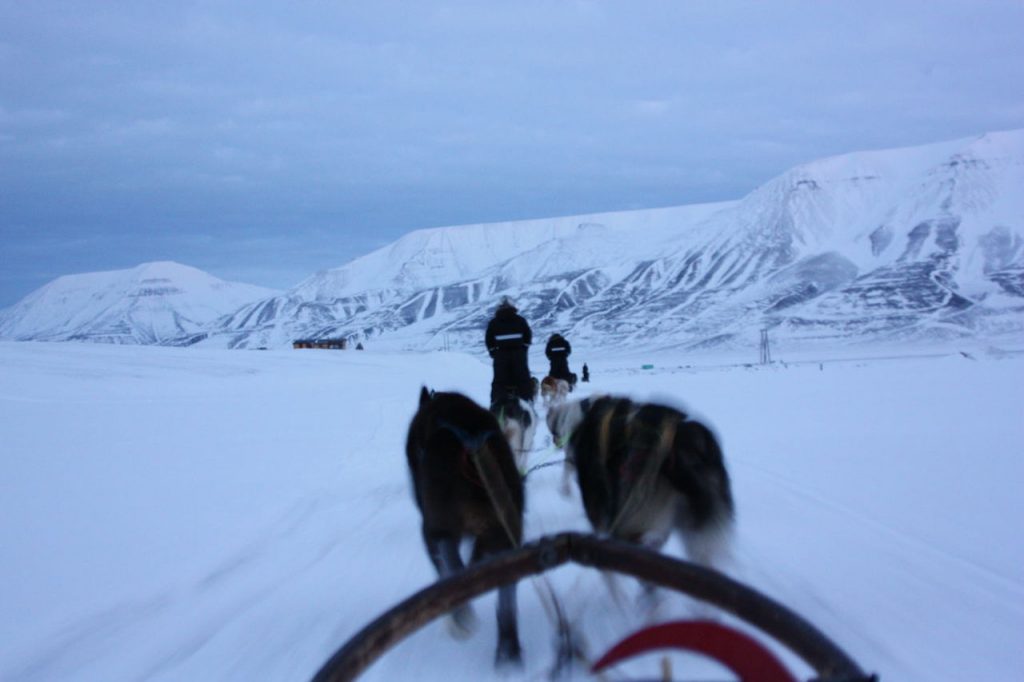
x: 910, y: 244
x: 152, y: 303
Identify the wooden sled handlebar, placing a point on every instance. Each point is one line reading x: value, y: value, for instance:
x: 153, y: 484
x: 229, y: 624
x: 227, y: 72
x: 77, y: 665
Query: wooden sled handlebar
x: 810, y: 644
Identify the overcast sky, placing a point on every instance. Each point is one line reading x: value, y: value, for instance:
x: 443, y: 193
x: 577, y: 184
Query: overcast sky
x: 262, y: 141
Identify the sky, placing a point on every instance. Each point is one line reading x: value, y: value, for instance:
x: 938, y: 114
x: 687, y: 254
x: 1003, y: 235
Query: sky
x: 264, y: 141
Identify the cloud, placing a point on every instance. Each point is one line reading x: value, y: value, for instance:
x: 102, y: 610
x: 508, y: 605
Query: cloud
x: 371, y: 119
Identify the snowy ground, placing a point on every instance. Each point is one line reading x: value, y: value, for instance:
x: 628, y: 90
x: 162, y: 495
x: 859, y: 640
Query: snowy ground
x: 172, y: 514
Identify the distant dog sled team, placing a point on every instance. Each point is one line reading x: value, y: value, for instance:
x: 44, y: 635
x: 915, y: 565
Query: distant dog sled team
x: 643, y: 470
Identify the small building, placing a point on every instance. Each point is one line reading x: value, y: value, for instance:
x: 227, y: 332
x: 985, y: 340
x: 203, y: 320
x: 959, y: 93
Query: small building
x: 330, y: 344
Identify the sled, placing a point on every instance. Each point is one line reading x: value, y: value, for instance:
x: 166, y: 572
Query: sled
x: 742, y: 654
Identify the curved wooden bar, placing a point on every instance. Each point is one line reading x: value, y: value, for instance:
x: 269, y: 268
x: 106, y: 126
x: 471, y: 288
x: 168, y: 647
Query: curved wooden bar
x: 767, y: 615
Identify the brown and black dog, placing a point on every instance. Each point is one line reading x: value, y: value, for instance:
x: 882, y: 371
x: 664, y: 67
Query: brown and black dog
x: 466, y: 485
x: 554, y: 390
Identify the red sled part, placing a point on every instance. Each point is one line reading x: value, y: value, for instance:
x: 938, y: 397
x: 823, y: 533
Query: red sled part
x: 739, y: 652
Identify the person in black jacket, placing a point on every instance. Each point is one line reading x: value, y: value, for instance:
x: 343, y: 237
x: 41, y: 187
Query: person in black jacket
x: 557, y: 351
x: 508, y: 337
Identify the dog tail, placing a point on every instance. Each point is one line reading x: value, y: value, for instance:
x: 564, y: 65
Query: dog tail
x: 701, y: 473
x: 698, y: 472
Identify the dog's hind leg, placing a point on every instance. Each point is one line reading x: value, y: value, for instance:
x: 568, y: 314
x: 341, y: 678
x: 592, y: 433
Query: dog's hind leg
x: 509, y: 651
x: 567, y: 475
x: 653, y: 539
x: 443, y: 549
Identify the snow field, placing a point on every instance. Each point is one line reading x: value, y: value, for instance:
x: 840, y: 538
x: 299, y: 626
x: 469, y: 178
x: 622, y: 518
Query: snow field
x: 171, y: 514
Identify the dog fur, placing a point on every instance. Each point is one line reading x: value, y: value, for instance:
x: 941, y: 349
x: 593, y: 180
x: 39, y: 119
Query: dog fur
x: 554, y: 390
x: 645, y: 470
x: 459, y: 499
x: 518, y: 421
x: 562, y: 419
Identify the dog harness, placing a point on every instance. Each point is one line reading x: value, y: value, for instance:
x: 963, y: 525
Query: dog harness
x: 471, y: 444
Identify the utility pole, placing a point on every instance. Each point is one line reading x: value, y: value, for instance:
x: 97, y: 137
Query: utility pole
x: 766, y: 351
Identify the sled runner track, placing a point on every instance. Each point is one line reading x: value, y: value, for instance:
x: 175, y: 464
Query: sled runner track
x: 899, y: 535
x: 826, y: 658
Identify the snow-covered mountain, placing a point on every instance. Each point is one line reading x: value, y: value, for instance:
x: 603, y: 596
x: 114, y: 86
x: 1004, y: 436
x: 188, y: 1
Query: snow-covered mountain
x: 444, y: 281
x: 920, y: 243
x: 153, y: 303
x: 914, y: 244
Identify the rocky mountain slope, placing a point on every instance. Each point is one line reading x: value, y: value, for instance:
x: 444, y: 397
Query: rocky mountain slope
x: 920, y: 243
x: 904, y: 245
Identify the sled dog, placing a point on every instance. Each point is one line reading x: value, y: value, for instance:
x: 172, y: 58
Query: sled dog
x: 554, y: 390
x: 466, y: 485
x: 645, y: 470
x: 518, y: 422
